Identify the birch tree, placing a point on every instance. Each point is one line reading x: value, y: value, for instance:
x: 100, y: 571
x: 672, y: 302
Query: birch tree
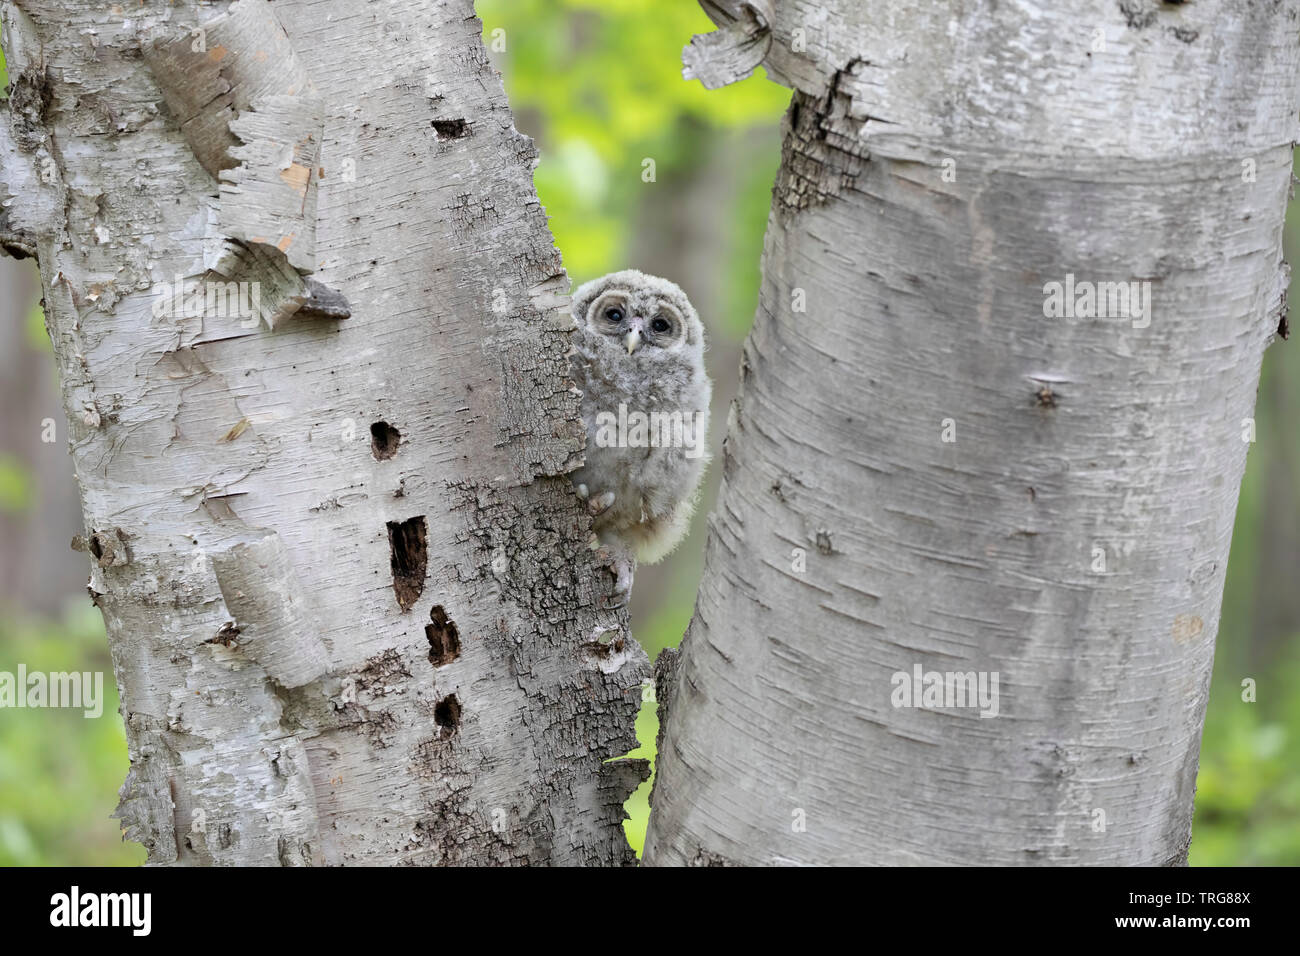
x: 964, y: 576
x: 310, y: 328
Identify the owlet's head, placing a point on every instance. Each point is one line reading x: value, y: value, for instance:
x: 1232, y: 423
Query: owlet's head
x: 646, y: 315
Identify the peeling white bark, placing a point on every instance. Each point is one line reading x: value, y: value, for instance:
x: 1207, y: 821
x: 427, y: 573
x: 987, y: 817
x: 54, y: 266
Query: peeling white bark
x: 300, y: 683
x: 1102, y: 140
x: 732, y: 52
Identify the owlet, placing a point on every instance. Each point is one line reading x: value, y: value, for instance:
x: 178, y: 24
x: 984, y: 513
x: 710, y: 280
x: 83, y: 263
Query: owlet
x: 639, y: 359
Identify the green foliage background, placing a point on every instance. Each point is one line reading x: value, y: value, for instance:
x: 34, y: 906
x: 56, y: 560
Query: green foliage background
x: 598, y: 84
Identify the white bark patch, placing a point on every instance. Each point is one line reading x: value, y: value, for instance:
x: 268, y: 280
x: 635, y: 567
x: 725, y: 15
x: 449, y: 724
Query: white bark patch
x: 262, y: 593
x: 248, y: 109
x: 270, y: 198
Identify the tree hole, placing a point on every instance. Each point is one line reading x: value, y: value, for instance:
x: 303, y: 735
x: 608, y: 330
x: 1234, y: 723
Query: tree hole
x: 407, y: 543
x: 444, y: 637
x: 451, y: 128
x: 447, y: 715
x: 384, y: 439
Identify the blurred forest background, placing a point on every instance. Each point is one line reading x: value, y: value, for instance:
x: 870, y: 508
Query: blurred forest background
x: 597, y: 84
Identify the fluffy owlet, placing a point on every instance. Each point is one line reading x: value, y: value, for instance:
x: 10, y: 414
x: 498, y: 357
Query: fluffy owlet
x: 639, y: 359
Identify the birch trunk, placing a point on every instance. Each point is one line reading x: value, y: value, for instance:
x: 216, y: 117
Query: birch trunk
x: 925, y: 470
x: 348, y: 593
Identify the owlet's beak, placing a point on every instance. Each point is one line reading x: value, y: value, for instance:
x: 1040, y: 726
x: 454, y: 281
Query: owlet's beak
x: 632, y: 340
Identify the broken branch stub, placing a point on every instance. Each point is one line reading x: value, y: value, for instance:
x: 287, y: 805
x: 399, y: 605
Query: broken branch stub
x: 735, y: 49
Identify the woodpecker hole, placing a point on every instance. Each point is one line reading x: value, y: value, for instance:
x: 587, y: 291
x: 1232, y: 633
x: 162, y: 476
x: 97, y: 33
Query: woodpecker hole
x: 384, y: 439
x: 447, y: 714
x: 444, y: 637
x: 407, y: 544
x: 451, y: 128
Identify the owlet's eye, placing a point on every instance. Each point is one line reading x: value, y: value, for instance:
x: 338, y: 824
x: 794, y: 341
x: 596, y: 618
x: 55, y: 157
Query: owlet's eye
x: 614, y: 314
x: 660, y: 325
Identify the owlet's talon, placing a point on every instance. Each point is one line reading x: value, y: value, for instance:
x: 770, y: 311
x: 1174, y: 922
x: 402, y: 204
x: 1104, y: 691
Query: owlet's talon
x: 581, y: 491
x: 601, y: 503
x: 623, y: 566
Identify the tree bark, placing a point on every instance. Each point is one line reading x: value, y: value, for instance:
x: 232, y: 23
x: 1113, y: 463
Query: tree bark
x: 924, y: 470
x: 351, y: 606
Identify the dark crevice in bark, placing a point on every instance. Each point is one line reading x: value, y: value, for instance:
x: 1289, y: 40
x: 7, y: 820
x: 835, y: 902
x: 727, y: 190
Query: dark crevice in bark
x: 444, y: 637
x: 818, y: 161
x: 407, y: 540
x: 384, y: 440
x: 451, y: 128
x: 447, y: 715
